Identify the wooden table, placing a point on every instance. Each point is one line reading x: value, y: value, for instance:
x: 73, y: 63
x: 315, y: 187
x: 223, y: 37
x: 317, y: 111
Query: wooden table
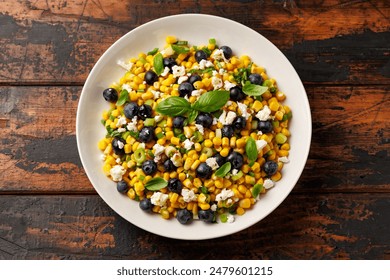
x: 340, y: 207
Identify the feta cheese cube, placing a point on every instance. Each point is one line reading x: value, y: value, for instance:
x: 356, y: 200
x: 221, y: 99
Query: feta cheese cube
x: 188, y: 144
x: 165, y: 72
x: 212, y: 162
x: 284, y: 159
x: 264, y: 114
x: 200, y: 128
x: 260, y: 144
x: 117, y: 172
x: 182, y: 79
x: 159, y: 198
x: 244, y: 110
x: 125, y: 65
x: 188, y: 195
x: 224, y: 194
x: 178, y: 71
x: 268, y: 183
x: 216, y: 82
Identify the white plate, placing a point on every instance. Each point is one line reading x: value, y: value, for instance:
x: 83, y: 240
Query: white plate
x: 197, y: 29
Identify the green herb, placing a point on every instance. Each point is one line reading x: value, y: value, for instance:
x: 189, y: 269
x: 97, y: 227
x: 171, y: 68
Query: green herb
x: 256, y: 190
x: 134, y: 134
x: 254, y: 90
x: 179, y: 49
x: 211, y: 101
x: 153, y: 52
x: 158, y: 63
x: 212, y: 41
x: 123, y: 98
x: 223, y: 218
x: 156, y: 184
x: 237, y: 176
x: 203, y: 190
x: 223, y: 170
x: 174, y: 106
x: 251, y: 149
x: 125, y: 135
x: 207, y: 51
x: 141, y: 177
x: 112, y: 132
x: 192, y: 116
x: 185, y: 43
x: 250, y: 173
x: 182, y: 137
x: 197, y: 137
x: 103, y: 122
x: 140, y: 90
x: 160, y: 135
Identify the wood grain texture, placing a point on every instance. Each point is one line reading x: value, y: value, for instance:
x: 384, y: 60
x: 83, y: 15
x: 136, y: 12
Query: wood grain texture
x: 325, y: 43
x: 38, y: 140
x: 83, y: 227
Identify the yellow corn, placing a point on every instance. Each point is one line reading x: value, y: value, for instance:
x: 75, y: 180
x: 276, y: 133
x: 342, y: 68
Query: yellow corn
x: 175, y: 141
x: 224, y: 152
x: 225, y: 142
x: 245, y: 203
x: 195, y: 165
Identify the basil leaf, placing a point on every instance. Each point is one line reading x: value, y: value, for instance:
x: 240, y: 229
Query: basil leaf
x: 153, y: 52
x: 223, y: 170
x: 156, y: 184
x: 254, y: 90
x: 256, y: 190
x: 173, y: 106
x: 123, y: 97
x: 211, y: 101
x: 251, y: 149
x: 192, y: 116
x: 178, y: 49
x: 158, y: 63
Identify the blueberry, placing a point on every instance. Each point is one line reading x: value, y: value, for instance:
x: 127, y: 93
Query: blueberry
x: 184, y: 216
x: 169, y: 166
x: 145, y: 204
x: 265, y: 126
x: 178, y: 122
x: 255, y: 79
x: 227, y: 52
x: 117, y: 145
x: 122, y: 186
x: 200, y: 55
x: 149, y: 167
x: 204, y: 171
x: 185, y: 88
x: 174, y: 185
x: 194, y: 78
x: 270, y: 167
x: 206, y: 215
x: 169, y: 62
x: 145, y: 111
x: 236, y: 94
x: 204, y: 119
x: 150, y: 77
x: 239, y: 123
x: 220, y: 159
x: 146, y: 134
x: 236, y: 160
x: 227, y: 131
x: 130, y: 110
x: 110, y: 95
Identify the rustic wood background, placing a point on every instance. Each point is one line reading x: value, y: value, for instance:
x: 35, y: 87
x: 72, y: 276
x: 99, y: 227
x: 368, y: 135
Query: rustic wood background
x: 340, y: 207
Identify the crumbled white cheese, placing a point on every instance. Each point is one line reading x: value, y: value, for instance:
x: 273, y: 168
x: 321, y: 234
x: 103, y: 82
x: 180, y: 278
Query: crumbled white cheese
x: 221, y: 71
x: 229, y: 201
x: 158, y: 149
x: 234, y: 172
x: 132, y: 126
x: 167, y: 52
x: 178, y: 71
x: 165, y: 72
x: 159, y: 198
x: 243, y: 108
x: 188, y: 144
x: 228, y: 85
x: 205, y: 64
x: 216, y: 82
x: 188, y: 195
x: 117, y: 172
x: 218, y: 133
x: 212, y: 162
x: 200, y: 128
x: 120, y: 144
x: 260, y: 144
x: 127, y: 87
x: 215, y: 121
x: 228, y: 103
x: 230, y: 117
x: 219, y: 56
x: 213, y: 207
x: 176, y: 159
x: 156, y: 94
x: 121, y: 129
x: 264, y: 114
x: 224, y: 194
x: 182, y: 79
x: 103, y: 157
x: 268, y: 183
x: 259, y: 132
x: 214, y: 73
x: 141, y: 146
x: 125, y: 65
x: 284, y: 159
x: 222, y: 117
x: 230, y: 219
x: 118, y: 160
x: 197, y: 92
x: 121, y: 121
x: 186, y: 97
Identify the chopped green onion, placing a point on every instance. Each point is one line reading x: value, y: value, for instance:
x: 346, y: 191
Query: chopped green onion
x: 280, y: 138
x: 212, y: 41
x: 149, y: 122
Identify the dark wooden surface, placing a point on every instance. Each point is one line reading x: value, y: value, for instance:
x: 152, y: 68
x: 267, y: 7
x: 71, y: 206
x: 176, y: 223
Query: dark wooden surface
x: 340, y: 207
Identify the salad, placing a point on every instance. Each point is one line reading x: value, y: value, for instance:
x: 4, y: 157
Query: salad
x: 194, y: 132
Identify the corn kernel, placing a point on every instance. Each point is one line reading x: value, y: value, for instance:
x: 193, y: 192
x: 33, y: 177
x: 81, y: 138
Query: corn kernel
x: 207, y: 143
x: 240, y: 211
x: 175, y: 141
x: 204, y: 206
x: 216, y: 141
x: 257, y: 106
x: 245, y: 203
x: 195, y: 165
x: 171, y: 39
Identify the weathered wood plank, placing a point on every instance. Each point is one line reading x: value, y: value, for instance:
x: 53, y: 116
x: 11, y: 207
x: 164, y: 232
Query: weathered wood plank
x: 349, y: 148
x: 336, y: 226
x: 325, y: 43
